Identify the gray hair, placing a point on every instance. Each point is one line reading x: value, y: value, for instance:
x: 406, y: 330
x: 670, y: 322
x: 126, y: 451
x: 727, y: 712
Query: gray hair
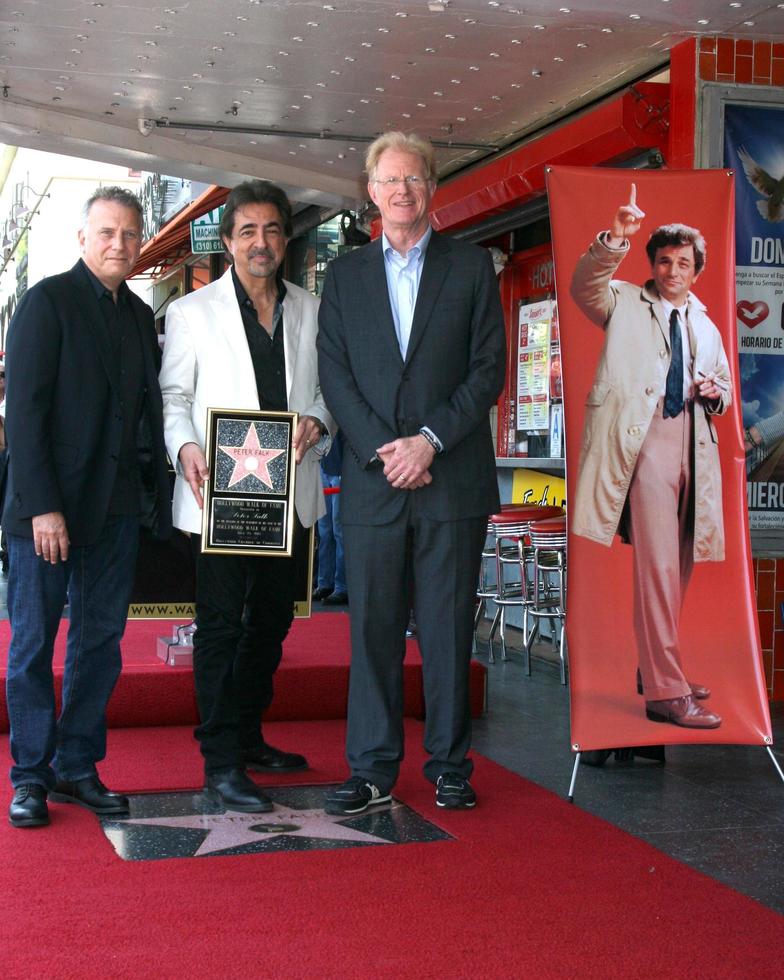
x: 406, y: 143
x: 115, y: 195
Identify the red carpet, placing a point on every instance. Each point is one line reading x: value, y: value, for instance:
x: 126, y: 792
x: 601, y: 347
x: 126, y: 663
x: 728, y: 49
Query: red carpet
x: 531, y: 887
x: 311, y: 683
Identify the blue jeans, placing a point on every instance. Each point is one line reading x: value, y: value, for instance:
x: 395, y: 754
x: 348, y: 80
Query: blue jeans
x: 97, y: 581
x: 331, y: 564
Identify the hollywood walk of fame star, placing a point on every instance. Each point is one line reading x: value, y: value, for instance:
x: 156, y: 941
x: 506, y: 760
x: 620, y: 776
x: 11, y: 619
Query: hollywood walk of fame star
x: 251, y: 459
x: 231, y: 829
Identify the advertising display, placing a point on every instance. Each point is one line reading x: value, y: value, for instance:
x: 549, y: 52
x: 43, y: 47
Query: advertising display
x: 754, y: 148
x: 661, y: 622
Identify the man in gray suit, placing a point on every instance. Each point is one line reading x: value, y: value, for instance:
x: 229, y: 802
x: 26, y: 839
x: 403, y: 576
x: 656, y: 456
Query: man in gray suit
x: 411, y: 359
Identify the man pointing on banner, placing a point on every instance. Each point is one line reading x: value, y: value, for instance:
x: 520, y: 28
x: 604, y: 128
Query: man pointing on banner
x: 649, y: 466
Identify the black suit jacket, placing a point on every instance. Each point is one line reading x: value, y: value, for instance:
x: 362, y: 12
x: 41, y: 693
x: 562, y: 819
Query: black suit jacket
x: 63, y: 416
x: 451, y: 377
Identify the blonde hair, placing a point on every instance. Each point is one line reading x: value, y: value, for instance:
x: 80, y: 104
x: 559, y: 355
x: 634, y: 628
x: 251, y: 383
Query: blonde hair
x: 406, y: 143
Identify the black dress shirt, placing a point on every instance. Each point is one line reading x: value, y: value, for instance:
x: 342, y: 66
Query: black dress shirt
x: 266, y: 352
x: 127, y: 360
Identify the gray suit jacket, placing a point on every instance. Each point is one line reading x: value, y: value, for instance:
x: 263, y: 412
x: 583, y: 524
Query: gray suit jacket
x: 451, y: 377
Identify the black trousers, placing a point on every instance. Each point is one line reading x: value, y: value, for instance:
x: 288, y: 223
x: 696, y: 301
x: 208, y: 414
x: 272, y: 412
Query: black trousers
x: 244, y: 610
x: 442, y: 560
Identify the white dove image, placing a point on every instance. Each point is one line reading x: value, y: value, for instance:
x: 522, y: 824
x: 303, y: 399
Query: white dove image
x: 771, y: 188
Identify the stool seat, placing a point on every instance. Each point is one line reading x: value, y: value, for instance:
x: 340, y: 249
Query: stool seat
x: 524, y: 513
x: 552, y: 525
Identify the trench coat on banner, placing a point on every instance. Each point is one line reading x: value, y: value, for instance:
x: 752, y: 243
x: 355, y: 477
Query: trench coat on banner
x: 207, y: 364
x: 628, y: 383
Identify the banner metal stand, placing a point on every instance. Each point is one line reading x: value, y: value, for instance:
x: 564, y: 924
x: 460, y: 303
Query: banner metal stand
x: 775, y: 762
x: 570, y: 794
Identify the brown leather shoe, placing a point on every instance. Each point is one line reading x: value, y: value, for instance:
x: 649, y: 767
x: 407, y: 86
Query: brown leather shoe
x: 699, y: 691
x: 682, y: 711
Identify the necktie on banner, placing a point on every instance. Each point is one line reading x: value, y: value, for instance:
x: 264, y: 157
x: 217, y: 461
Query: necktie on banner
x: 673, y: 392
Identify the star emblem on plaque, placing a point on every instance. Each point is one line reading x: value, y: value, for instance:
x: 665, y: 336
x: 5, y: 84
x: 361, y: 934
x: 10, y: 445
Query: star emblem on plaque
x: 249, y: 497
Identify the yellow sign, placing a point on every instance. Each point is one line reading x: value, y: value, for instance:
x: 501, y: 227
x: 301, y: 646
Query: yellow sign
x: 533, y: 487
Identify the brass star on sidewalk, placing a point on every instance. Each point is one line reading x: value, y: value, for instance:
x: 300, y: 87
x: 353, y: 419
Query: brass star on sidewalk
x: 227, y: 830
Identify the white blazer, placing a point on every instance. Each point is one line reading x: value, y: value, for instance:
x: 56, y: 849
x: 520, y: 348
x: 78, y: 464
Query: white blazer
x: 207, y: 364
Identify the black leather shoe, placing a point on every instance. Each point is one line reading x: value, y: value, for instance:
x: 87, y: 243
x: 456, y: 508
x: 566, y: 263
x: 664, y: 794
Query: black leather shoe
x: 91, y: 793
x: 319, y: 594
x: 269, y: 759
x: 336, y: 599
x: 234, y: 790
x: 28, y: 807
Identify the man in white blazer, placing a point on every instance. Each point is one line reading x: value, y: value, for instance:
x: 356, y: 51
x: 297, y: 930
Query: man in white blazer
x: 246, y: 341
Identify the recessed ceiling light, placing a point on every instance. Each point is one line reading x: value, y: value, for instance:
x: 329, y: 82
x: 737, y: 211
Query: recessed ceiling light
x: 469, y: 20
x: 478, y: 108
x: 634, y: 16
x: 401, y: 13
x: 473, y: 67
x: 516, y: 40
x: 349, y: 58
x: 383, y: 30
x: 229, y: 33
x: 308, y: 97
x: 421, y: 105
x: 607, y: 30
x: 367, y: 44
x: 496, y: 98
x: 430, y: 50
x: 334, y: 71
x: 395, y: 78
x: 515, y: 85
x: 437, y: 92
x: 461, y: 118
x: 272, y: 67
x: 537, y: 73
x: 196, y: 75
x: 321, y: 84
x: 296, y: 37
x: 557, y: 58
x: 241, y: 18
x: 351, y: 112
x: 581, y: 44
x: 704, y: 21
x: 751, y: 23
x: 283, y: 54
x: 365, y: 101
x: 565, y: 10
x: 456, y: 81
x: 539, y: 27
x: 379, y: 88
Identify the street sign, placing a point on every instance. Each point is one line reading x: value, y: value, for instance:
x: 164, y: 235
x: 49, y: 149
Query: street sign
x: 205, y: 235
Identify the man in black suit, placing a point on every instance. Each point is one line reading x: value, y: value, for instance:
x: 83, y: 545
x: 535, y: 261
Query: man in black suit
x: 411, y: 359
x: 87, y: 465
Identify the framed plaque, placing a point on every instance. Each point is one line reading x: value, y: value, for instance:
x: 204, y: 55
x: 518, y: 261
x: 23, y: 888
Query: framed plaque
x: 249, y: 496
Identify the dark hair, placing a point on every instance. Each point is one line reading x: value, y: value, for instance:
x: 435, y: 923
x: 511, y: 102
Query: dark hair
x: 116, y: 195
x: 256, y: 192
x: 677, y: 235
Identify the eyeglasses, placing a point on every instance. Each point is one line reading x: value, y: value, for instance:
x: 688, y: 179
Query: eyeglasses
x: 409, y: 181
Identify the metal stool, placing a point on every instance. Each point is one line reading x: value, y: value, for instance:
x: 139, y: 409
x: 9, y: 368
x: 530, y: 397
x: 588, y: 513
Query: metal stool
x: 509, y: 528
x: 546, y: 573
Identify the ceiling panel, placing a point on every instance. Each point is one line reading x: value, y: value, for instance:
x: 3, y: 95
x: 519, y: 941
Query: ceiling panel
x: 82, y: 73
